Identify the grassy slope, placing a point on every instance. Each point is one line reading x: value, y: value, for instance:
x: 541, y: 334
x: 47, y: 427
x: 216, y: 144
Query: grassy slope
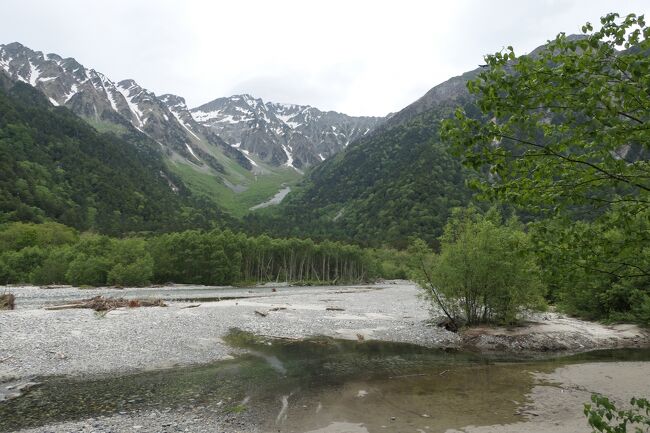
x: 259, y: 189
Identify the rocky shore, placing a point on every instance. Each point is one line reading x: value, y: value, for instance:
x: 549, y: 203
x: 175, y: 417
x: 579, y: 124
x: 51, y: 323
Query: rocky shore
x: 37, y: 342
x: 190, y: 330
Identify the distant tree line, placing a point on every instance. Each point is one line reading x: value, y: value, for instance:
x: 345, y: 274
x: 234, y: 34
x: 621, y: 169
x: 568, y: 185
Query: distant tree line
x: 52, y: 253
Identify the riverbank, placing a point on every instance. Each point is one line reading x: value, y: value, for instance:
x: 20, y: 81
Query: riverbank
x: 85, y: 345
x: 557, y: 400
x: 39, y: 342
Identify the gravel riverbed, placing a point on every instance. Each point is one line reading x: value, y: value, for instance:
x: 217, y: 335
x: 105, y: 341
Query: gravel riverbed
x: 36, y: 342
x: 40, y: 342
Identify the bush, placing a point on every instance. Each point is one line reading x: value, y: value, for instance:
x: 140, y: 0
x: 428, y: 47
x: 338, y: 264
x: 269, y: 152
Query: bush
x: 54, y: 267
x: 87, y: 270
x: 603, y: 416
x: 485, y: 272
x: 17, y: 265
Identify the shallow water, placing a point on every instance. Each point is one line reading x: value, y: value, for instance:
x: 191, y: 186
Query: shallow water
x: 301, y: 386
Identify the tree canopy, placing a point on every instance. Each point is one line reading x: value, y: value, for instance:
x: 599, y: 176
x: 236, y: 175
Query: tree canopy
x: 563, y: 133
x: 566, y: 125
x: 486, y: 270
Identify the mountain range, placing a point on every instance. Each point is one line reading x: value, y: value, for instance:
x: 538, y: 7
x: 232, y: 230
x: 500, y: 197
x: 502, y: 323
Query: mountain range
x: 222, y: 148
x: 370, y: 179
x: 298, y: 136
x: 397, y: 181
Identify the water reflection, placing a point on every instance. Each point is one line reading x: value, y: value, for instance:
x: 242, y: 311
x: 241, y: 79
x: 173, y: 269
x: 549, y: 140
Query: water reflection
x: 290, y: 385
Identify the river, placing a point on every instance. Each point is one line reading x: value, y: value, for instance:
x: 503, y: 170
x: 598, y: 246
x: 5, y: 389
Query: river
x: 314, y: 385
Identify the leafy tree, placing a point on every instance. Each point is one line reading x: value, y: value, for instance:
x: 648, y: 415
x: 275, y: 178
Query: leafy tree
x: 564, y: 134
x: 132, y: 263
x: 53, y: 268
x: 87, y: 270
x: 18, y: 265
x: 603, y: 416
x: 91, y: 260
x: 486, y: 270
x: 595, y: 268
x: 567, y: 125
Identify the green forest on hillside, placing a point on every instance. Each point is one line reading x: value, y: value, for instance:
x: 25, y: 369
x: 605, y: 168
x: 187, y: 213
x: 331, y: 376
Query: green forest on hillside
x: 54, y: 166
x: 384, y: 189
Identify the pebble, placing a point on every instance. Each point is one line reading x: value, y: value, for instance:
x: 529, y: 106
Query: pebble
x: 76, y: 340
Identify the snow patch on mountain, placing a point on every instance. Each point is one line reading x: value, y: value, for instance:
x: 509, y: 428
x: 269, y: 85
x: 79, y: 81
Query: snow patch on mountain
x: 191, y: 151
x: 247, y: 154
x: 183, y: 124
x: 33, y: 74
x: 281, y: 134
x: 71, y: 92
x: 126, y: 92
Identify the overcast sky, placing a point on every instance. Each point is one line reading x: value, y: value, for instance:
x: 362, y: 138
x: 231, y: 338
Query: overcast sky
x: 357, y: 57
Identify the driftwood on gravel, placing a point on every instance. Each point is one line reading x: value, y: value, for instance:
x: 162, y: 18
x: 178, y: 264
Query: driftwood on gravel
x: 7, y: 301
x: 100, y: 303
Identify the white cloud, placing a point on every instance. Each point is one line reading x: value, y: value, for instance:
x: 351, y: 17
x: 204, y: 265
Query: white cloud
x: 359, y: 57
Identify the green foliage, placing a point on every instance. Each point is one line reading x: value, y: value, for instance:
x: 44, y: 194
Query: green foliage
x: 569, y: 120
x: 21, y: 235
x: 597, y: 269
x: 391, y: 264
x: 603, y: 416
x: 381, y: 190
x: 485, y: 272
x: 99, y: 260
x: 52, y: 253
x: 54, y: 166
x: 563, y: 134
x: 222, y: 257
x: 53, y: 268
x: 193, y: 257
x: 132, y: 264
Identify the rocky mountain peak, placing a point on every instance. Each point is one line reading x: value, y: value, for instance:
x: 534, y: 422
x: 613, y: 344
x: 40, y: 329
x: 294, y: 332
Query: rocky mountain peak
x: 244, y: 128
x: 281, y: 134
x: 174, y: 101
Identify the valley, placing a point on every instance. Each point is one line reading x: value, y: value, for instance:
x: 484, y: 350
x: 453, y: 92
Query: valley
x: 235, y: 151
x: 215, y: 245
